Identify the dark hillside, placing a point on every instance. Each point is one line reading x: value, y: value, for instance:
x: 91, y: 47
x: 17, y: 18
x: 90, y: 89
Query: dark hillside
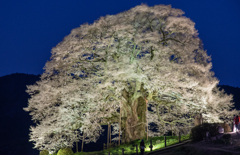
x: 15, y: 122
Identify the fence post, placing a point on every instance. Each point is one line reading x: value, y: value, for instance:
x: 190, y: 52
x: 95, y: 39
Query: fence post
x: 136, y: 149
x: 165, y: 141
x: 122, y: 151
x: 179, y: 137
x: 151, y: 146
x: 103, y: 146
x: 108, y: 153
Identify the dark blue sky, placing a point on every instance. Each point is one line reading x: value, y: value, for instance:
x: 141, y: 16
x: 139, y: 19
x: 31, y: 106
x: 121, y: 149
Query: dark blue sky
x: 29, y: 29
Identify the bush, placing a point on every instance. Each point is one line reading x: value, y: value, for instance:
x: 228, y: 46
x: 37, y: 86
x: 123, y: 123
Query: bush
x: 199, y: 132
x: 227, y: 136
x: 65, y: 151
x: 223, y: 141
x: 44, y: 152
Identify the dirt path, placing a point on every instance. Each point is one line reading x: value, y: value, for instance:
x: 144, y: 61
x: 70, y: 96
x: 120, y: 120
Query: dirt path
x: 235, y: 138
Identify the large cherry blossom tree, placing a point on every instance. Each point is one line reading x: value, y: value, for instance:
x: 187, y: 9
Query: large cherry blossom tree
x: 143, y: 57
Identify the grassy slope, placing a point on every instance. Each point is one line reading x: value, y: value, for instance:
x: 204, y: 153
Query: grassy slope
x: 130, y: 148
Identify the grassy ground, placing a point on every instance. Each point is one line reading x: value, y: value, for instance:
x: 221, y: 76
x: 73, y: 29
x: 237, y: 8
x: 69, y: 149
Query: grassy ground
x: 130, y: 148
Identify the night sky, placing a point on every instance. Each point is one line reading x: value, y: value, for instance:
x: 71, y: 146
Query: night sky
x: 30, y: 29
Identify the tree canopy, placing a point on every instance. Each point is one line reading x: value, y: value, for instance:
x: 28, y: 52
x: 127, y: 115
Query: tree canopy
x: 146, y: 56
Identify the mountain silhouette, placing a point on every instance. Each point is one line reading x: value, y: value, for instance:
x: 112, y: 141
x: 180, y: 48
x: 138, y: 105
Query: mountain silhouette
x: 15, y: 122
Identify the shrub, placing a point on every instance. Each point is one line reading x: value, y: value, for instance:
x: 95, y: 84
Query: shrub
x: 65, y: 151
x: 222, y: 141
x: 44, y: 152
x: 199, y: 132
x: 227, y: 136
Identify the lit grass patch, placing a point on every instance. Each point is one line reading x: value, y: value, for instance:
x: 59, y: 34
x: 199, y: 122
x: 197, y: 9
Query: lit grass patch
x: 130, y: 148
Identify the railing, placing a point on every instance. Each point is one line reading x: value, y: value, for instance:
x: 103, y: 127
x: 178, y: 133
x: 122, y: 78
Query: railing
x: 150, y: 146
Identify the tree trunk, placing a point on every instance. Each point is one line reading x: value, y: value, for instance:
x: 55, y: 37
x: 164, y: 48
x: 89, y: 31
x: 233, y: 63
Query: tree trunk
x: 119, y: 127
x: 83, y: 142
x: 146, y: 118
x: 135, y: 123
x: 198, y: 119
x: 108, y: 137
x: 77, y: 146
x: 171, y: 121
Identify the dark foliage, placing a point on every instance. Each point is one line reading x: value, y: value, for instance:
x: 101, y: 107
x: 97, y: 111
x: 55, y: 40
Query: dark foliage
x: 226, y: 136
x: 226, y: 139
x: 199, y: 132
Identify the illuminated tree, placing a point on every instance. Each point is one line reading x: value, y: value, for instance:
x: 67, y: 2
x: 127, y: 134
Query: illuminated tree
x: 57, y: 123
x: 145, y: 54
